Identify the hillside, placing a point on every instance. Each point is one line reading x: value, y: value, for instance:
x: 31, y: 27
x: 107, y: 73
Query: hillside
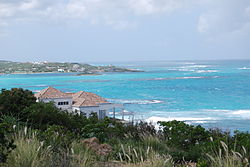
x: 9, y: 67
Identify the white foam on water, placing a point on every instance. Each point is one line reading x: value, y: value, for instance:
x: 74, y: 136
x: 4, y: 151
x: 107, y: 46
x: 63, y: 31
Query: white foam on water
x: 198, y: 122
x: 198, y: 77
x: 244, y: 68
x: 189, y: 77
x: 232, y: 114
x: 156, y: 101
x: 155, y: 119
x: 196, y: 66
x: 185, y: 70
x: 159, y: 78
x: 124, y: 101
x: 235, y: 112
x: 206, y: 71
x: 241, y: 112
x: 216, y: 110
x: 202, y: 116
x: 189, y: 120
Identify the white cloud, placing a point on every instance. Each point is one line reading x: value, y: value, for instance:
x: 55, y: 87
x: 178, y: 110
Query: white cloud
x: 76, y: 9
x: 29, y: 5
x: 225, y: 17
x: 115, y: 13
x: 142, y: 7
x: 6, y: 10
x: 221, y: 16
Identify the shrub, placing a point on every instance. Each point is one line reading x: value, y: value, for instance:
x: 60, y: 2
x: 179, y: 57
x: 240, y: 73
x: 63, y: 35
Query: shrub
x: 6, y: 144
x: 242, y: 139
x: 185, y: 140
x: 57, y: 138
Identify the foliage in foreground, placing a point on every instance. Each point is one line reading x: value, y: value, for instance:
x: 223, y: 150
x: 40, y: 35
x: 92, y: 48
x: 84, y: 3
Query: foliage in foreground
x: 6, y: 145
x: 31, y: 152
x: 45, y: 136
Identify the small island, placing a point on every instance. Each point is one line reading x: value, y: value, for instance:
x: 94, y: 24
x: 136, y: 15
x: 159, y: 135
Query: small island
x: 9, y: 67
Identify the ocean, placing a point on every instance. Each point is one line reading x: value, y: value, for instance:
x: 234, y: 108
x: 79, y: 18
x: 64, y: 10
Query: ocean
x: 214, y: 94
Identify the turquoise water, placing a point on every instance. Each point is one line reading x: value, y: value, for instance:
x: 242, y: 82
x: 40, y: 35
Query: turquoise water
x: 211, y: 93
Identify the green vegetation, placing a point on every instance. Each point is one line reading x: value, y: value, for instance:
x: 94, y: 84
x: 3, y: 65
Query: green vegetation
x: 8, y: 67
x: 40, y: 135
x: 6, y: 145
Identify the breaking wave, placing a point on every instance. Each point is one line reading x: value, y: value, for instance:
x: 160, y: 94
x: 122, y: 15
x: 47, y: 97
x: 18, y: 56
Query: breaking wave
x: 232, y: 114
x: 195, y: 68
x: 123, y: 101
x: 216, y: 115
x: 189, y: 77
x: 87, y: 80
x: 244, y: 68
x: 155, y: 119
x: 189, y: 120
x: 206, y: 71
x: 241, y: 112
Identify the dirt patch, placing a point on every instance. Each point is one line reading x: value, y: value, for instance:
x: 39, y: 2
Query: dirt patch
x: 94, y: 144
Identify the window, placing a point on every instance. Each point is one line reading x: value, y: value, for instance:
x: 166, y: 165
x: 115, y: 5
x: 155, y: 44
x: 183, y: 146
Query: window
x: 63, y: 103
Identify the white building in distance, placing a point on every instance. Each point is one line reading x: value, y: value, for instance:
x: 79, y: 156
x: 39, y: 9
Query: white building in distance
x: 80, y: 102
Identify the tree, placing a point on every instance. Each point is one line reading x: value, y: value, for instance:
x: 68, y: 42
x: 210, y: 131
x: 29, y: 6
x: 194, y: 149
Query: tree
x: 185, y: 140
x: 14, y: 101
x: 41, y: 115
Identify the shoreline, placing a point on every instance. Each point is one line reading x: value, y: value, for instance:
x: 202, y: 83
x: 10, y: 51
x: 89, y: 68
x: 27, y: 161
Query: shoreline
x: 75, y: 73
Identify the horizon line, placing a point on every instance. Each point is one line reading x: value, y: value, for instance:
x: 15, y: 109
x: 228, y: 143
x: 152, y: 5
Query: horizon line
x: 129, y: 61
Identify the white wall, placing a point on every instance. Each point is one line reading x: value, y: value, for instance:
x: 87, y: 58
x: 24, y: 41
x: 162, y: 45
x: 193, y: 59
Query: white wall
x: 56, y: 100
x: 89, y: 110
x: 104, y: 107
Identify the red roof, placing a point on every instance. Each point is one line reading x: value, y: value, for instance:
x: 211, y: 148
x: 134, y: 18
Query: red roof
x: 52, y: 93
x: 87, y: 99
x: 80, y: 99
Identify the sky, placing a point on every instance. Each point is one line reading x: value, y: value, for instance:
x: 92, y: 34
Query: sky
x: 124, y: 30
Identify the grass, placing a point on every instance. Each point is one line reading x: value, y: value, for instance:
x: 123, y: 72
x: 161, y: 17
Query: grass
x: 228, y: 158
x: 31, y: 152
x: 82, y: 156
x: 144, y: 158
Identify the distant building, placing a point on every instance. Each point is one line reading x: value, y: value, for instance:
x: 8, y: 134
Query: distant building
x: 60, y: 70
x: 80, y: 102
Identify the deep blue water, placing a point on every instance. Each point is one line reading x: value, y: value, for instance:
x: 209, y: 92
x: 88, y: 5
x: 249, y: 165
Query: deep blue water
x: 211, y: 93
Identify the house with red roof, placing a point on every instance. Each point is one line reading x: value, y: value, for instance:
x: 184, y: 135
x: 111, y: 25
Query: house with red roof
x: 80, y: 102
